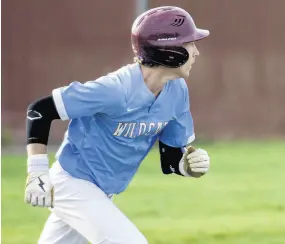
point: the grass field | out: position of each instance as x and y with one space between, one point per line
241 200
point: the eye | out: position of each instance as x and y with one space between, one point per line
187 44
190 44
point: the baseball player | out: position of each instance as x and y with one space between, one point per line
114 122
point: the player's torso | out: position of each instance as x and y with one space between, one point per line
112 147
143 117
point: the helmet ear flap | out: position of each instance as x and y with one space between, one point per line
171 57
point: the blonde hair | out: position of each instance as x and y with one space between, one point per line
137 60
140 60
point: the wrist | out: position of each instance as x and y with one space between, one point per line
36 148
38 163
183 168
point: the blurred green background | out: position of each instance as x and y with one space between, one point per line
237 89
241 201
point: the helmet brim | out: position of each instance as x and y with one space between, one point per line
201 34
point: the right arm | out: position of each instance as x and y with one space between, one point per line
40 115
104 95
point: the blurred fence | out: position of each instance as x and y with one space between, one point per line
237 85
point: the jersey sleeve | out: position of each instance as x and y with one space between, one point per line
104 95
179 132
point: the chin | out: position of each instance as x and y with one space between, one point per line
186 74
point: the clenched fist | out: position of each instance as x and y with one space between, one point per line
196 162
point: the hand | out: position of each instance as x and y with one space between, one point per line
196 162
39 189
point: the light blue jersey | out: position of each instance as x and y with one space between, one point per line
115 121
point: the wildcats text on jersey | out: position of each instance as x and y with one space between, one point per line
134 129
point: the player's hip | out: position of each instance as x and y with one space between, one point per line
65 183
110 178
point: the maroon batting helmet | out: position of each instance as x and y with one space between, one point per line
159 33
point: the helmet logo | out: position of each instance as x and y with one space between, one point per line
179 20
167 39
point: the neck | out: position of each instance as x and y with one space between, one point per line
155 78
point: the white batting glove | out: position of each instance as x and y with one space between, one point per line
39 189
195 162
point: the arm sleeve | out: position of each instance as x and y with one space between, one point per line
170 158
40 115
104 95
180 131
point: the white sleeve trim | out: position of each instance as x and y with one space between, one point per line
191 139
59 104
181 168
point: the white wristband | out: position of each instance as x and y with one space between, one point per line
38 163
181 168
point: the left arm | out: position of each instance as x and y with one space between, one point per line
176 154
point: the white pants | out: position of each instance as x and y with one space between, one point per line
82 212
